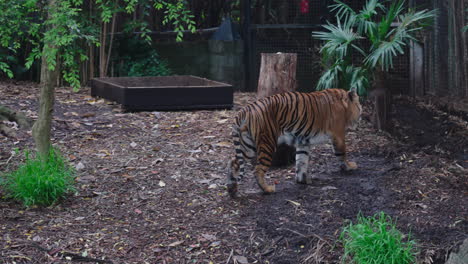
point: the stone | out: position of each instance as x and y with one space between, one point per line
460 254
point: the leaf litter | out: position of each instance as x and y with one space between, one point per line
144 193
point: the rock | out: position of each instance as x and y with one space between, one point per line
79 166
460 254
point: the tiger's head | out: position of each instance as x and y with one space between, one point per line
354 110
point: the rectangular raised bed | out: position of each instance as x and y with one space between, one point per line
164 93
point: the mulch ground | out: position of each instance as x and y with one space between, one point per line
150 188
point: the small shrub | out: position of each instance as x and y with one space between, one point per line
376 240
134 57
39 181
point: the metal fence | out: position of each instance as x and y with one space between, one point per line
272 26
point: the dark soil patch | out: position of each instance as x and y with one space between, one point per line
426 128
152 189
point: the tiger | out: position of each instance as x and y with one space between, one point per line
293 118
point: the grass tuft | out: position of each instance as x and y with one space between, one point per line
40 181
375 240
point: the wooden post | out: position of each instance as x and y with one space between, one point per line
278 75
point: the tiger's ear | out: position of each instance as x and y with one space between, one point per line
353 96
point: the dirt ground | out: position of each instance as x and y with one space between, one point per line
150 188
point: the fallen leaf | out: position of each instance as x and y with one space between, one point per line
223 144
209 237
86 179
240 260
294 203
326 188
215 244
86 115
205 181
175 244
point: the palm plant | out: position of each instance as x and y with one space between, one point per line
386 31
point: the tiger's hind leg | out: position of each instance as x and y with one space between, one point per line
302 163
233 174
264 158
340 151
244 149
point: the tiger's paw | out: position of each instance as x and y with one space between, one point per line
349 166
269 189
232 189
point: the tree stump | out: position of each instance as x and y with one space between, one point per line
278 75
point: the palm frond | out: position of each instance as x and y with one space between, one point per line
421 18
330 78
393 12
357 78
392 43
342 10
338 39
385 53
364 22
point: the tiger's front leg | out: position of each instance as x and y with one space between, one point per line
302 163
340 151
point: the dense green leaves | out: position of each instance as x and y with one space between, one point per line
387 30
70 29
177 14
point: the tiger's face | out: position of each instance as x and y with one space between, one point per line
354 110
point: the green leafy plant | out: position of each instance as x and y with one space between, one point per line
376 240
40 181
177 13
348 59
136 57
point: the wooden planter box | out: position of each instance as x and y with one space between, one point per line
164 93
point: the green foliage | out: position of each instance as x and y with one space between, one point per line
4 67
376 240
177 13
69 29
135 57
40 180
387 30
14 19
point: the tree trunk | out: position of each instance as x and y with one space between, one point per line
106 69
278 75
42 127
102 51
382 102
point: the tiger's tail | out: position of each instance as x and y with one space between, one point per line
236 167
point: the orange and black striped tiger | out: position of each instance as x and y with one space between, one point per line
298 119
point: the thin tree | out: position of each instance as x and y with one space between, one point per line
60 39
